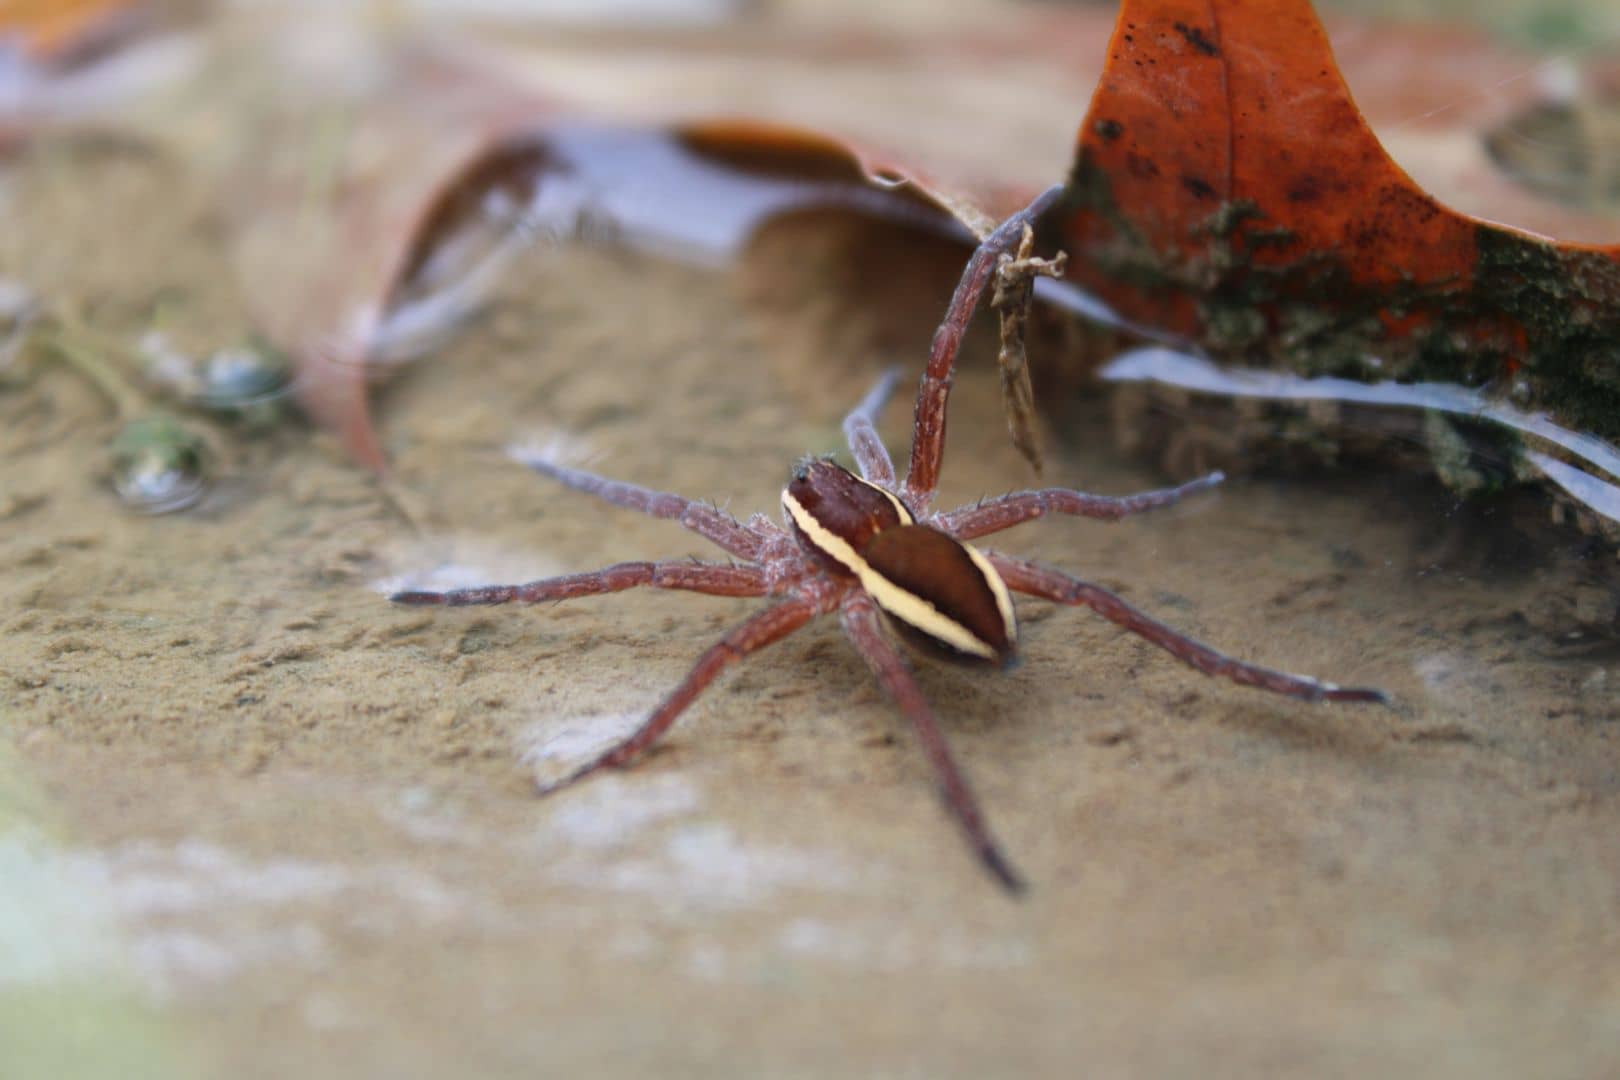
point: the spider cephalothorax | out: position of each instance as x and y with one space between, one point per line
869 548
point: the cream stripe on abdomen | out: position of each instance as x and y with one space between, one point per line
901 603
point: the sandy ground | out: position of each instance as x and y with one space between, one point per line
260 823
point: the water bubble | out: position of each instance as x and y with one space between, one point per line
159 465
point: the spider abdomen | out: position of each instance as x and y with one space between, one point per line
943 591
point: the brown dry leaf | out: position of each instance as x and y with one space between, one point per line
701 190
983 95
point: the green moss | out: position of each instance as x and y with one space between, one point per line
1470 458
1568 302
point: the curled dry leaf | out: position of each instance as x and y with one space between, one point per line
697 191
692 188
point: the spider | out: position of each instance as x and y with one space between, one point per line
872 551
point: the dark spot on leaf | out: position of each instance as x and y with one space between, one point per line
1197 39
1140 166
1109 129
1198 187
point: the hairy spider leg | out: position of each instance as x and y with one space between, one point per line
764 628
1062 588
860 431
707 521
861 623
708 578
994 515
928 425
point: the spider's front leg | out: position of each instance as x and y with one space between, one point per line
1062 588
994 515
933 394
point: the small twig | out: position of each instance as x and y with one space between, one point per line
1015 291
73 344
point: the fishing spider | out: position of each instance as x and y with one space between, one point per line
867 549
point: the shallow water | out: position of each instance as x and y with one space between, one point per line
309 815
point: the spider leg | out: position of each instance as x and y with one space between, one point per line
707 521
764 628
861 624
692 577
1061 588
994 515
860 431
928 426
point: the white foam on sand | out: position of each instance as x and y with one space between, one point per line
185 916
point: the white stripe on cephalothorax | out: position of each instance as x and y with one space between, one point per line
901 603
832 545
824 540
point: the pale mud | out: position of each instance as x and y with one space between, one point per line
307 817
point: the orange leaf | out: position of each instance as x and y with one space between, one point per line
1227 188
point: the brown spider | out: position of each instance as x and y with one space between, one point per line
858 546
